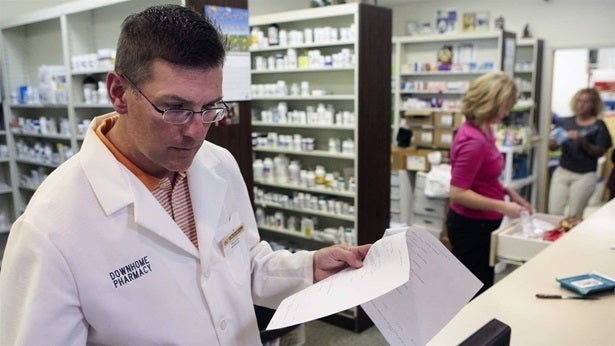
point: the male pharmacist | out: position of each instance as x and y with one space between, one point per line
147 235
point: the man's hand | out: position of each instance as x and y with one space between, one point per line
332 259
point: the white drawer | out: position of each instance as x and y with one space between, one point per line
395 192
426 221
394 179
420 181
429 206
395 217
395 205
508 242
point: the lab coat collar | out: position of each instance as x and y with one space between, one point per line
105 174
116 189
207 192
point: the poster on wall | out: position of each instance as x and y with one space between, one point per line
234 23
605 85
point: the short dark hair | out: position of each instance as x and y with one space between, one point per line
172 33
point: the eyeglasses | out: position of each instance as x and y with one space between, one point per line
180 116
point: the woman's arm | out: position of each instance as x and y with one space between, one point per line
515 197
592 150
473 200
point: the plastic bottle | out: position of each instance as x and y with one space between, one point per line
90 94
307 226
293 172
268 169
319 175
102 93
257 169
273 34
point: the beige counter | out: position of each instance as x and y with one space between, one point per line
552 321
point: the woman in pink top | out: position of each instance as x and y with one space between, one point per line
477 202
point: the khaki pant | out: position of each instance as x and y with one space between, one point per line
570 188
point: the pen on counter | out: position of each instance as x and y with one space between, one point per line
559 296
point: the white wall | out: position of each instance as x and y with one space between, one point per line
12 8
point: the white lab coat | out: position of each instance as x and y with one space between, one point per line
95 259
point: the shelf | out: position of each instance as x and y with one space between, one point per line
305 211
414 53
36 163
520 148
304 70
521 182
359 89
432 92
315 153
294 234
295 187
90 71
305 126
28 188
39 135
305 98
302 46
5 191
91 105
424 111
476 36
40 105
444 73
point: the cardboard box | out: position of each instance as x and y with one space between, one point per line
423 137
417 162
398 157
459 119
444 119
419 120
443 138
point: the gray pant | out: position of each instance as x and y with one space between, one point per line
574 189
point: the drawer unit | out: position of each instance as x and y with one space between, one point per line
433 224
428 212
401 197
435 207
508 244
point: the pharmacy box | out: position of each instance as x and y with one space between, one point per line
509 244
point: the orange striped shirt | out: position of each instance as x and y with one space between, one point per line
174 195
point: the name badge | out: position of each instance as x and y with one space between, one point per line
232 240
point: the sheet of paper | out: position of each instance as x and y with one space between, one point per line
385 267
439 286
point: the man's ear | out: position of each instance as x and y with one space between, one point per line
117 92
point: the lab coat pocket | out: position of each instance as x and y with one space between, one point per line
235 257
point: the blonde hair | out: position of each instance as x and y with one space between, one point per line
597 104
489 96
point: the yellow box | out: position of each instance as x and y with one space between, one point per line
398 157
